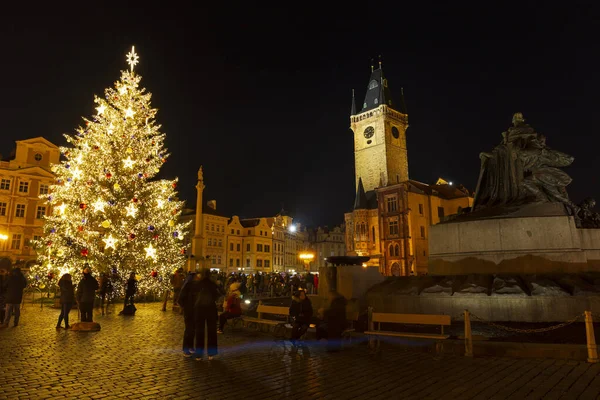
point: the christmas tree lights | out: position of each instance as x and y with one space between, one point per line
108 209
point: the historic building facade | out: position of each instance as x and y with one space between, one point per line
326 242
391 215
24 181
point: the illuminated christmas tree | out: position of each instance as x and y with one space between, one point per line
108 210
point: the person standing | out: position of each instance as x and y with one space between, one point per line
232 307
310 282
316 283
177 282
67 298
187 299
3 279
14 286
205 308
86 294
106 289
130 290
301 311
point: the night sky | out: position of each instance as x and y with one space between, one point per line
261 98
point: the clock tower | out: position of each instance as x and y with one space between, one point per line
379 128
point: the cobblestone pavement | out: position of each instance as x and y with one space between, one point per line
139 358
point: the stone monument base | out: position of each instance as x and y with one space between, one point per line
85 326
515 245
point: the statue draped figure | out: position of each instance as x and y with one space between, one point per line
523 170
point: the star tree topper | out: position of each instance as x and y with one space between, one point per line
132 58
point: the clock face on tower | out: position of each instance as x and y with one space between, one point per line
369 132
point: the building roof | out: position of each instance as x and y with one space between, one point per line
250 223
378 92
444 191
365 200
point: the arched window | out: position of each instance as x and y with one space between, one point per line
397 247
391 250
373 234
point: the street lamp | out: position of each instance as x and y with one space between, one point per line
3 238
307 258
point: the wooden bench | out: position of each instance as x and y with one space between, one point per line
279 326
417 319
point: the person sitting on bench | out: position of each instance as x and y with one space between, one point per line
232 309
301 312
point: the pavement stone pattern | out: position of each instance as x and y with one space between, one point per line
140 357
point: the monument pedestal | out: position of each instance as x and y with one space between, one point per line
515 245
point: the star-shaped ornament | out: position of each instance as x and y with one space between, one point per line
128 163
76 173
101 109
61 208
109 242
132 58
98 205
129 113
110 129
123 89
150 251
131 210
160 203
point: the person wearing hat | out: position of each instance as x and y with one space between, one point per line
67 298
233 307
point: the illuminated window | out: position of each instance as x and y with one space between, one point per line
20 212
43 189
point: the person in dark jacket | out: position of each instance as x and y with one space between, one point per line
14 286
186 300
130 290
301 311
3 279
67 298
106 289
86 294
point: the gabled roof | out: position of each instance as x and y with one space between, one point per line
38 140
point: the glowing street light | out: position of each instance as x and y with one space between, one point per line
292 228
307 257
3 236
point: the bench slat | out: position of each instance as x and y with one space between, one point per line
273 310
423 319
403 334
262 321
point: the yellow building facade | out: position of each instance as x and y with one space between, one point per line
24 182
392 214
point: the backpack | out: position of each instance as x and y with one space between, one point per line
204 297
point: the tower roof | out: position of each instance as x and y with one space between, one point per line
378 93
360 203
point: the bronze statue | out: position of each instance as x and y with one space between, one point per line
523 170
589 218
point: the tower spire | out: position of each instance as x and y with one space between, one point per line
371 65
353 108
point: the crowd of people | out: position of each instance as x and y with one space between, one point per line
199 296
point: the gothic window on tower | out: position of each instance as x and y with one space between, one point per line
394 229
373 84
397 250
376 101
392 204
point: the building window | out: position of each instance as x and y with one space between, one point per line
207 226
397 248
440 212
210 241
220 242
424 253
20 213
267 248
238 232
237 247
249 232
373 234
41 211
23 187
247 246
392 204
394 227
259 263
259 247
2 209
37 238
5 184
212 227
421 209
43 189
237 262
422 231
248 263
267 264
37 157
230 246
219 260
231 262
16 241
